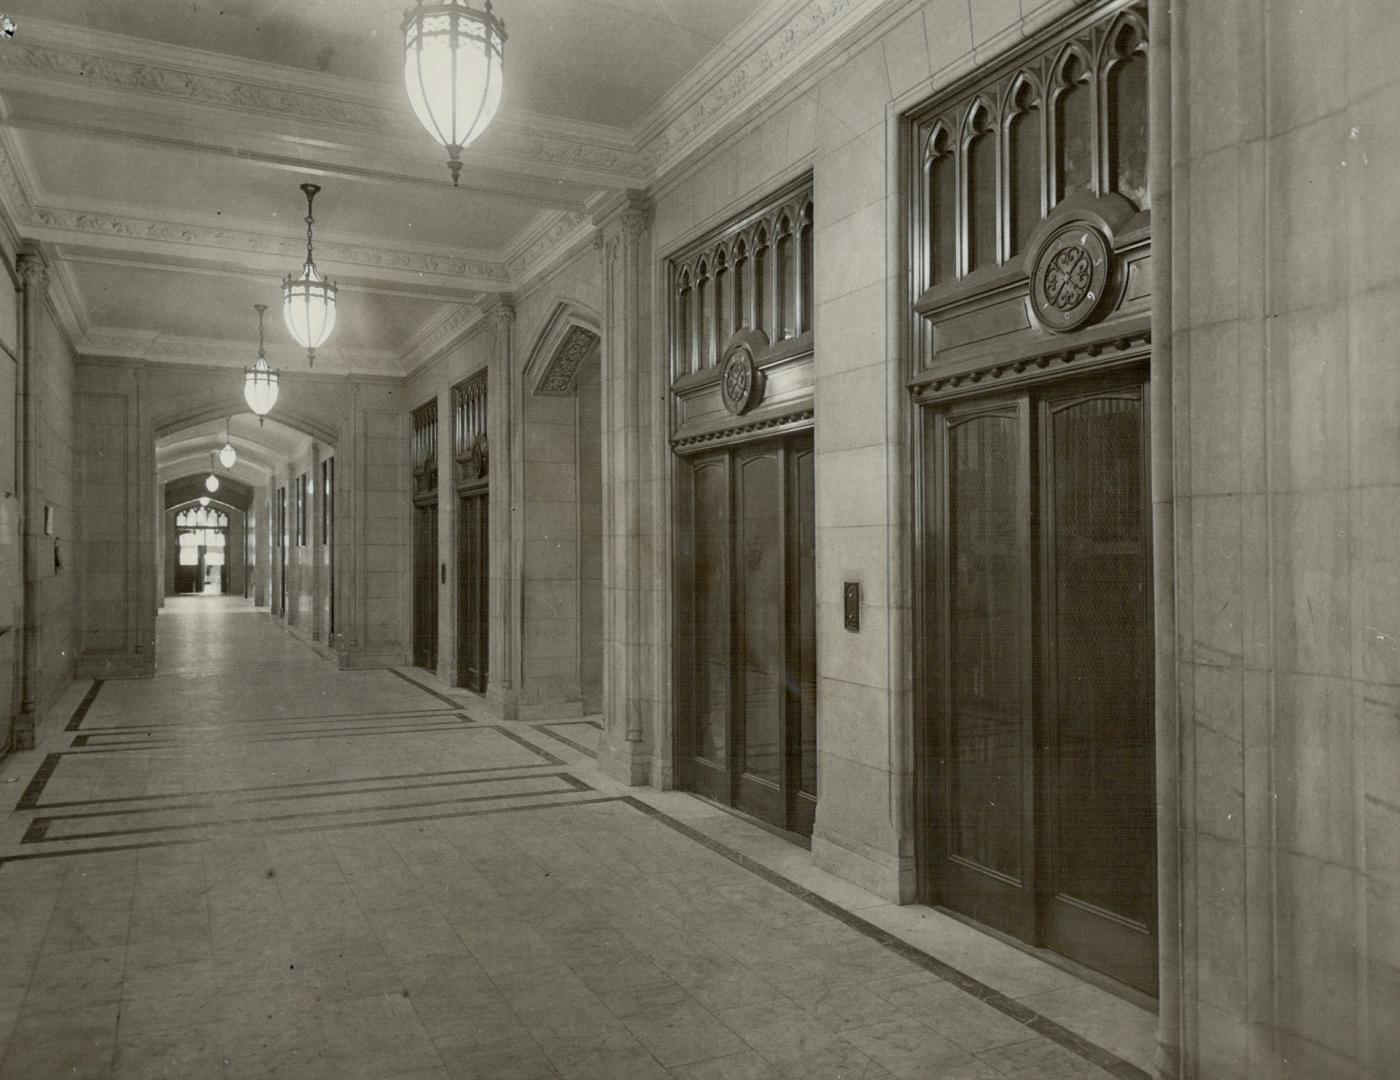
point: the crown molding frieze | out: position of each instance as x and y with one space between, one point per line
546 243
65 226
439 335
113 342
744 77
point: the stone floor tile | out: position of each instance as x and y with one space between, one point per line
961 1018
194 1053
779 1030
745 1066
678 1032
1040 1059
908 1049
76 1044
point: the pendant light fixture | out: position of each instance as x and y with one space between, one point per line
211 482
203 501
228 455
454 60
308 301
260 381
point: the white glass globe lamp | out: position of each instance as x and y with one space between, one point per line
454 65
260 381
308 300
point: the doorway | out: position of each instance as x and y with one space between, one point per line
1038 669
747 670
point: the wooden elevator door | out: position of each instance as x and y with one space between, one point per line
749 674
473 591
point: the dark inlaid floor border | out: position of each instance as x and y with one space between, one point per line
1008 1006
293 786
76 720
38 828
227 722
425 688
35 789
112 849
133 739
543 729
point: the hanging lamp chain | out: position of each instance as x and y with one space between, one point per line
311 190
262 355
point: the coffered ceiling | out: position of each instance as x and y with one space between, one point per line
155 148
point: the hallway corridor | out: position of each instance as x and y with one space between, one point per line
258 865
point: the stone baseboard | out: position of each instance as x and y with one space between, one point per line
625 761
892 879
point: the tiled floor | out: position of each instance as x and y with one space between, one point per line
257 865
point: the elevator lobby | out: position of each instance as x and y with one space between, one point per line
722 539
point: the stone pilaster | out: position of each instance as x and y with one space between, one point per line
631 647
506 531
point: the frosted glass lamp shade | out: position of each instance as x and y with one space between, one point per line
204 500
228 455
454 60
260 388
308 305
211 483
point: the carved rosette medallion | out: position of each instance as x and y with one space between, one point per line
740 380
1069 278
477 457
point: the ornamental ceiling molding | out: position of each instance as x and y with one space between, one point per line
438 335
210 352
544 243
95 223
84 62
742 77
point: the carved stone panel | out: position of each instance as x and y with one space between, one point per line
576 346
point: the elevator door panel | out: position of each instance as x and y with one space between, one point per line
473 591
760 614
707 566
982 664
425 585
1099 822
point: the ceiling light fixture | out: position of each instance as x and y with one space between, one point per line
211 482
260 381
228 455
454 59
308 301
204 500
